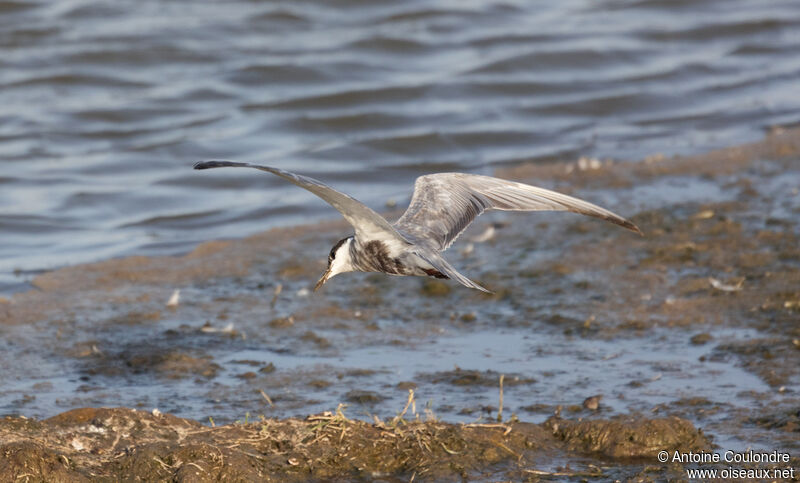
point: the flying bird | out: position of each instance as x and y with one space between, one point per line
441 208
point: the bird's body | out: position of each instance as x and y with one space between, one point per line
441 208
386 257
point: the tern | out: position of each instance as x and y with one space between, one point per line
442 207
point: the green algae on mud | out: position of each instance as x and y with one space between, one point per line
124 444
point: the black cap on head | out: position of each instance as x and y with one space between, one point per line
332 255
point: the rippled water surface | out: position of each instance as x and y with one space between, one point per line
104 105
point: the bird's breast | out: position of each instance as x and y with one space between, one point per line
378 256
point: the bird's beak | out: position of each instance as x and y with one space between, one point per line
323 279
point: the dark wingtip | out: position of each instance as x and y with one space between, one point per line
202 165
217 163
625 224
632 227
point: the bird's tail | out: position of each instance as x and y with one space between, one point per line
441 264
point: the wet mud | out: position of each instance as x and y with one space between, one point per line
117 444
610 346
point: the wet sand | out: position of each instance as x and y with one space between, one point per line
690 334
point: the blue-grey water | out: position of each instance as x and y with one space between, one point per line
104 105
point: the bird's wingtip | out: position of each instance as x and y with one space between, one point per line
203 165
627 224
632 227
219 163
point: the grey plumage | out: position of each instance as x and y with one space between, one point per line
363 219
442 207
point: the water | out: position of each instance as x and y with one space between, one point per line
104 105
561 371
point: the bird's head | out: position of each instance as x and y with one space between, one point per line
339 261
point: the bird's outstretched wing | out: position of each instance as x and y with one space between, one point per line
444 204
366 223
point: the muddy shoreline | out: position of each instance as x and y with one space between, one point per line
715 281
114 444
